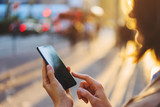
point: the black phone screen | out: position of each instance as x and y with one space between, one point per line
62 74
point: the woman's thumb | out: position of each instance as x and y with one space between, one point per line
86 94
50 74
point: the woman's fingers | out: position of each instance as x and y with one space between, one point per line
48 76
51 76
68 92
85 95
44 74
69 69
84 84
85 99
85 77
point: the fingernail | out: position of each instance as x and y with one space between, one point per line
74 73
80 90
48 68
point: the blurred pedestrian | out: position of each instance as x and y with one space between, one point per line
147 15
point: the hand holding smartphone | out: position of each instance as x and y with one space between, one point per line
62 74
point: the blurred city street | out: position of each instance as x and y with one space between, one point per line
21 81
94 37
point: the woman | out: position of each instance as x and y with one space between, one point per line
147 15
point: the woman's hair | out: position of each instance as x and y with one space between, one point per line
147 15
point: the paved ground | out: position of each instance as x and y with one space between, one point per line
20 82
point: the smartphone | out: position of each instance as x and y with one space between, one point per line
62 74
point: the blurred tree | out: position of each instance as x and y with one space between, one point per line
31 2
8 9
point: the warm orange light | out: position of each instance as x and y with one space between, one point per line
45 27
22 27
47 12
15 6
127 6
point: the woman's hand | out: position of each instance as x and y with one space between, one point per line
92 91
59 96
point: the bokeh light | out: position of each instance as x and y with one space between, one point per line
47 12
22 27
15 6
45 27
97 10
127 6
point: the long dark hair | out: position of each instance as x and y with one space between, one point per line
147 14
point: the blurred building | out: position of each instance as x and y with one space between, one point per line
35 1
52 1
75 3
87 4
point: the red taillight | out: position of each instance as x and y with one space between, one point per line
45 27
22 27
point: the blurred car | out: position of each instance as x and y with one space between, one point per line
30 26
70 24
37 24
45 25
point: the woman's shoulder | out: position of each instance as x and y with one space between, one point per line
149 97
149 101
